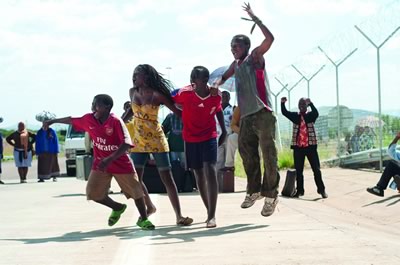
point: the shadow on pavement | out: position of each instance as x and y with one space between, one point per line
385 200
70 195
190 233
182 234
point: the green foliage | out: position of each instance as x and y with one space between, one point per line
285 159
6 133
61 137
239 169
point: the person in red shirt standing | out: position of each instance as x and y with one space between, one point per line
200 135
304 143
111 142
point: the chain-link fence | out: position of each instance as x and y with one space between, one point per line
353 80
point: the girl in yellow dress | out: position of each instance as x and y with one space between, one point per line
150 90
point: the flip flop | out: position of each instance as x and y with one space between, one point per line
185 221
115 215
211 223
145 224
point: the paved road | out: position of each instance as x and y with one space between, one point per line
52 223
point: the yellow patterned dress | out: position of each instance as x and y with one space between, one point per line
148 136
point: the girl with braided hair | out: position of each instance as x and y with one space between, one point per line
150 90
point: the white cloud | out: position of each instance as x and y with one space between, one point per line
328 7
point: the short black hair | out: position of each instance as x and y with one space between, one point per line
104 99
243 39
200 72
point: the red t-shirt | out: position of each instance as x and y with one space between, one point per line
106 139
198 115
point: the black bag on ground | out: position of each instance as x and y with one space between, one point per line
184 179
289 189
189 182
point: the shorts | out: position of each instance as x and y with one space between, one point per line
162 160
198 153
99 183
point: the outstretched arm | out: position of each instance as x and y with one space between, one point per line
259 51
228 73
169 103
65 120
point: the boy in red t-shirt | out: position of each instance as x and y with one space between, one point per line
200 135
111 142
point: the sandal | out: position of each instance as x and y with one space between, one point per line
211 223
184 221
145 224
115 215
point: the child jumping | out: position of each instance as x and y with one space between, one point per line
111 141
200 133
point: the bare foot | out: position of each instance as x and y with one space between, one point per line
211 223
151 210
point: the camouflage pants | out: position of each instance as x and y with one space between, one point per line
258 131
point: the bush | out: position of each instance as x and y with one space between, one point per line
285 160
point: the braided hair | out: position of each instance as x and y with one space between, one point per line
155 80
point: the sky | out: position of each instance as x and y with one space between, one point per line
57 55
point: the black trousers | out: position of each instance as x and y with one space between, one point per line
390 170
299 155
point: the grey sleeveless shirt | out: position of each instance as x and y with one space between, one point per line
247 93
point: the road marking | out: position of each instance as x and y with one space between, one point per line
138 249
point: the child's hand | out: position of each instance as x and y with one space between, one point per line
214 91
222 138
247 8
104 163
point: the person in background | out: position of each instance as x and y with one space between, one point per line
227 110
47 150
22 140
172 127
257 121
391 170
111 143
354 140
128 114
304 143
1 153
232 142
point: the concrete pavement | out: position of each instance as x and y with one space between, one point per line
52 223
